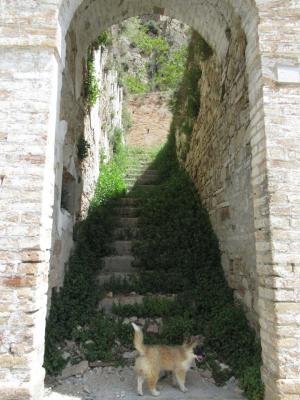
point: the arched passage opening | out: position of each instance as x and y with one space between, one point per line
214 23
224 180
278 372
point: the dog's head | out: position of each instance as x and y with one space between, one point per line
196 344
199 353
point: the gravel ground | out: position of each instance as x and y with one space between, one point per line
120 383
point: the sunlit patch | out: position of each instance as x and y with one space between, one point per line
51 395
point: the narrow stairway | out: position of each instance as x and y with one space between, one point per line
111 381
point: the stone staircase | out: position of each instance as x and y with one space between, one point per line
120 263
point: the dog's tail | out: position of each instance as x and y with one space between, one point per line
138 339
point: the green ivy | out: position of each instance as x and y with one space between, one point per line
181 250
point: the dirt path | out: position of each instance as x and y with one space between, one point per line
120 383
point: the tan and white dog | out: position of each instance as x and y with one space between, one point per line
154 359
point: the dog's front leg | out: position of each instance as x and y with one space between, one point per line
152 381
140 381
180 376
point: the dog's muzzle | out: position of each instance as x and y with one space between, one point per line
199 353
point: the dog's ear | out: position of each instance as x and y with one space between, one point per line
193 341
187 341
200 340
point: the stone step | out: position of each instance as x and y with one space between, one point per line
126 233
143 180
127 201
147 172
126 211
143 156
122 247
118 264
145 187
126 222
141 163
138 170
107 303
109 276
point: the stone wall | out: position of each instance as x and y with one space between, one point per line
219 162
149 114
75 177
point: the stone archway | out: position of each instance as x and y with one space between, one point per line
33 58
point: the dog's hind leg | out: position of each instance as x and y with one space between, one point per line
140 381
152 381
174 380
180 376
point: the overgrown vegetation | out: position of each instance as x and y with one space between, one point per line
163 64
104 39
181 250
179 254
91 84
73 308
135 85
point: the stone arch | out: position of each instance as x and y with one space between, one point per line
211 19
273 82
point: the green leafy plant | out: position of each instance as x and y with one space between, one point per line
91 85
82 148
152 27
170 72
104 39
117 140
135 85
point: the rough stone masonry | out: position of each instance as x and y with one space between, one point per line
32 60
